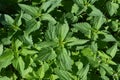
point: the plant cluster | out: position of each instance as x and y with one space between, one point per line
59 40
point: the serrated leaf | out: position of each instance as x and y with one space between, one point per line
46 5
103 55
49 18
64 61
16 44
47 54
30 10
6 40
41 72
26 52
95 11
80 3
112 7
83 72
63 75
27 71
107 68
19 65
112 51
18 21
75 8
6 58
91 57
108 38
31 26
51 33
27 17
98 22
50 5
62 30
102 71
94 46
8 20
111 62
74 41
114 25
105 78
46 44
84 28
56 3
26 39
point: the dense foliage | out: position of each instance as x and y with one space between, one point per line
59 40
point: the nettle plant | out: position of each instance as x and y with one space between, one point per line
60 40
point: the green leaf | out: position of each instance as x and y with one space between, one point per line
93 1
31 26
87 52
107 68
6 58
16 44
84 28
50 5
103 55
27 71
63 75
1 49
51 33
63 60
95 11
53 77
112 51
79 65
80 3
46 5
94 46
8 20
114 25
91 57
105 78
48 17
6 40
26 52
111 62
74 41
83 72
75 8
27 17
19 65
98 21
108 37
102 71
55 3
46 54
41 72
18 20
62 30
59 39
30 10
26 39
45 44
112 7
4 78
